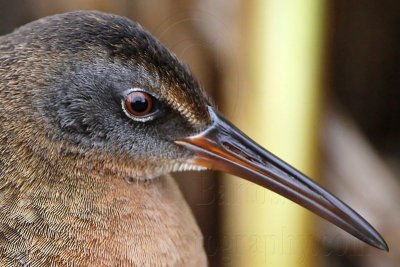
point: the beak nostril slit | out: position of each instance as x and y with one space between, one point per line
238 152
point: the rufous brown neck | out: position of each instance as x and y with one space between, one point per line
90 218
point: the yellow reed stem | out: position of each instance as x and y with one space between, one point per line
281 112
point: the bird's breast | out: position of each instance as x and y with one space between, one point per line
120 224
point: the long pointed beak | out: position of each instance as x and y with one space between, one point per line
224 147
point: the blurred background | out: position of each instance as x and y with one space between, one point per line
317 82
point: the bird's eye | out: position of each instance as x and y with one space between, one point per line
139 105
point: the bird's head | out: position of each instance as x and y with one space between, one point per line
109 91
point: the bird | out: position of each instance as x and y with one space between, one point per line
95 113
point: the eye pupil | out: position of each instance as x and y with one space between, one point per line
139 104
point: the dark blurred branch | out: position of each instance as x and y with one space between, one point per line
359 175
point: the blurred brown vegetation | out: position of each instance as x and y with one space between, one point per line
362 99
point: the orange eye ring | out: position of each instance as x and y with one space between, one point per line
139 104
